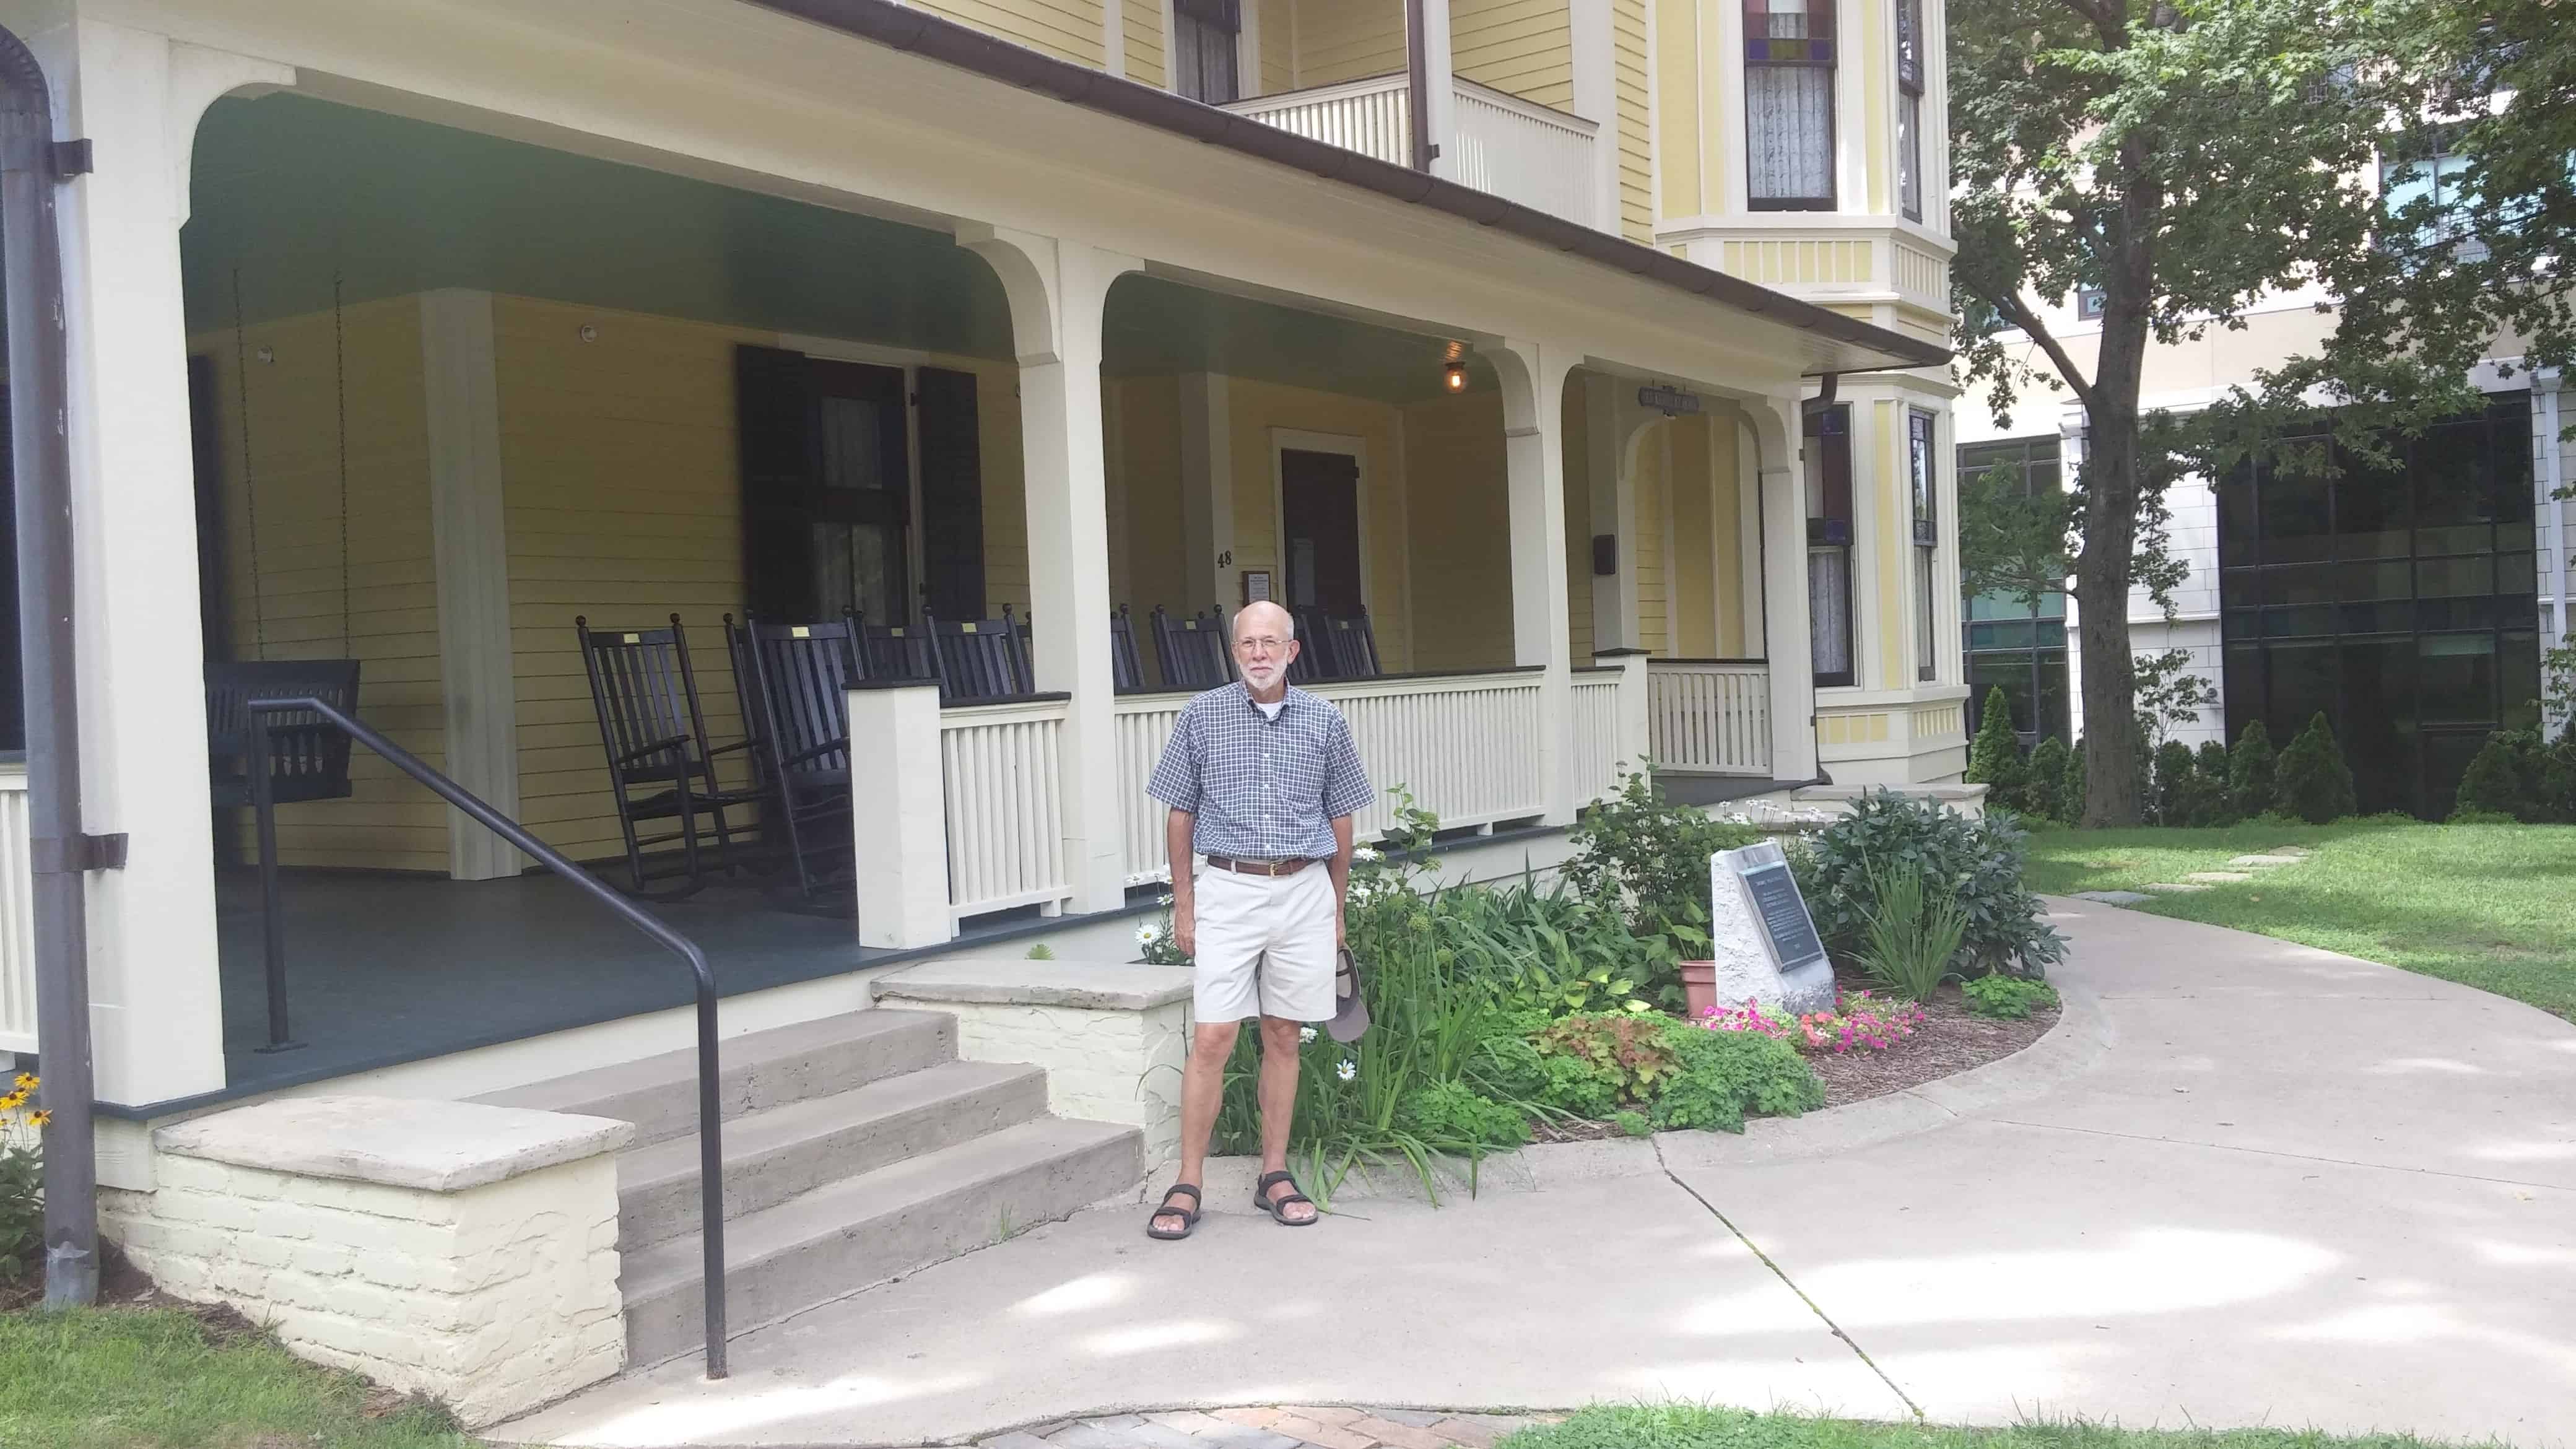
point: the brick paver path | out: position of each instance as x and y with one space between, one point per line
1294 1427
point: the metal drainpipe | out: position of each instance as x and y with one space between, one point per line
1418 84
32 164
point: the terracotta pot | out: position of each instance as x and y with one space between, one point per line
1699 987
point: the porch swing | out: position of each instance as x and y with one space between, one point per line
307 758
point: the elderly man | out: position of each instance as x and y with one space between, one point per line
1262 780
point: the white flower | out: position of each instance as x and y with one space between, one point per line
1363 853
1347 1071
1147 933
1305 1034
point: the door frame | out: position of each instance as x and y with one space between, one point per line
1297 440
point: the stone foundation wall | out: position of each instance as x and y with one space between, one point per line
1101 1065
492 1297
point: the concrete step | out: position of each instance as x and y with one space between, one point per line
760 1069
860 1230
771 1156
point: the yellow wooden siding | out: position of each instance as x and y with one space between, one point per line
1694 586
1636 123
1144 38
1646 486
1677 95
1278 46
293 598
1461 529
1149 445
1892 528
1578 529
1257 407
1522 47
622 499
1726 519
1066 29
1343 40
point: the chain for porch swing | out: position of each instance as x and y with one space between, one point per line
250 481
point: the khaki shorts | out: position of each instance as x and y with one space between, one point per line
1265 945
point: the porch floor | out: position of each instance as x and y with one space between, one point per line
382 969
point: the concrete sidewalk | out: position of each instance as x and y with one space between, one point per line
2278 1187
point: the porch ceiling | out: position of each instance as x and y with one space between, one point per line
295 191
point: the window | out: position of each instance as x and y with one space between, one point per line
1909 108
1827 456
2015 644
2089 302
2429 170
1927 535
1205 36
1789 104
2398 597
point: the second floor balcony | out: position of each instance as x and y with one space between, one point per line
1517 149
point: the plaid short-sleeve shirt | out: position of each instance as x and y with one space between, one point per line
1261 789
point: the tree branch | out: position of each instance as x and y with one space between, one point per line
2020 315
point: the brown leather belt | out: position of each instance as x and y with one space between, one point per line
1258 867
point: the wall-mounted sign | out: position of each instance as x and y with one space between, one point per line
1672 402
1256 585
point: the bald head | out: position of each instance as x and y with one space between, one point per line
1265 617
1265 641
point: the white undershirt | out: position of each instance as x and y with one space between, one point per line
1270 711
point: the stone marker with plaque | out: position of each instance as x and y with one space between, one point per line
1761 936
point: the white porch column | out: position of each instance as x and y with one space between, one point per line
1612 491
156 999
1786 641
1057 291
1439 69
899 817
1534 462
1207 489
476 682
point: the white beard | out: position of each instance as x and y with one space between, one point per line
1263 676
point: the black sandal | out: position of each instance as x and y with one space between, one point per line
1261 1199
1189 1216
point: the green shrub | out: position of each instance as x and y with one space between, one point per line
2481 817
1995 758
1724 1076
2554 791
2073 793
1629 1055
1911 934
2250 769
1453 1112
2171 797
2208 799
2312 782
2011 998
1561 953
2044 792
2494 784
22 1179
1507 1068
1633 1124
1648 855
1976 863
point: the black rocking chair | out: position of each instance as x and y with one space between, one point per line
1192 651
1314 659
1349 646
897 652
979 658
660 766
795 681
1126 671
308 759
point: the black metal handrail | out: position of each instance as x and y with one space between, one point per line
710 1113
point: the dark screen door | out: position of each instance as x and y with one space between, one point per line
1319 506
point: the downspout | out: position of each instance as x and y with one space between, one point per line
32 164
1417 81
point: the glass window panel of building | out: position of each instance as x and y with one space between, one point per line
2015 644
2396 595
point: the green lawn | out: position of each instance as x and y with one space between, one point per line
125 1378
1689 1427
2490 906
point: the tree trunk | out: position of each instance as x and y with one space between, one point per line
2111 739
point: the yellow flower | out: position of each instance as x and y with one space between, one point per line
39 1118
25 1082
13 1101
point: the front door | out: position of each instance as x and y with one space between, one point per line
1319 508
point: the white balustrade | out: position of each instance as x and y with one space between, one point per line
1465 745
1144 724
999 765
17 917
1597 736
1710 717
1515 149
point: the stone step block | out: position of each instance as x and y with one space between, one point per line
659 1094
849 1234
773 1155
2218 877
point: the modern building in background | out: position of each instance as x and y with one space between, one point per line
2410 604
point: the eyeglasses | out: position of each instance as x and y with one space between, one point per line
1264 643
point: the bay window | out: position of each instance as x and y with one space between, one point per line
1827 458
1789 104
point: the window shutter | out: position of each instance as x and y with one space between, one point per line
952 494
774 426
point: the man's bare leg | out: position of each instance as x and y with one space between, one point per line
1279 1106
1202 1090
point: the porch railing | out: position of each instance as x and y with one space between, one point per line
1710 716
1005 813
1515 149
1597 733
1465 745
17 917
710 1107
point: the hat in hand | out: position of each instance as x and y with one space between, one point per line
1350 1005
